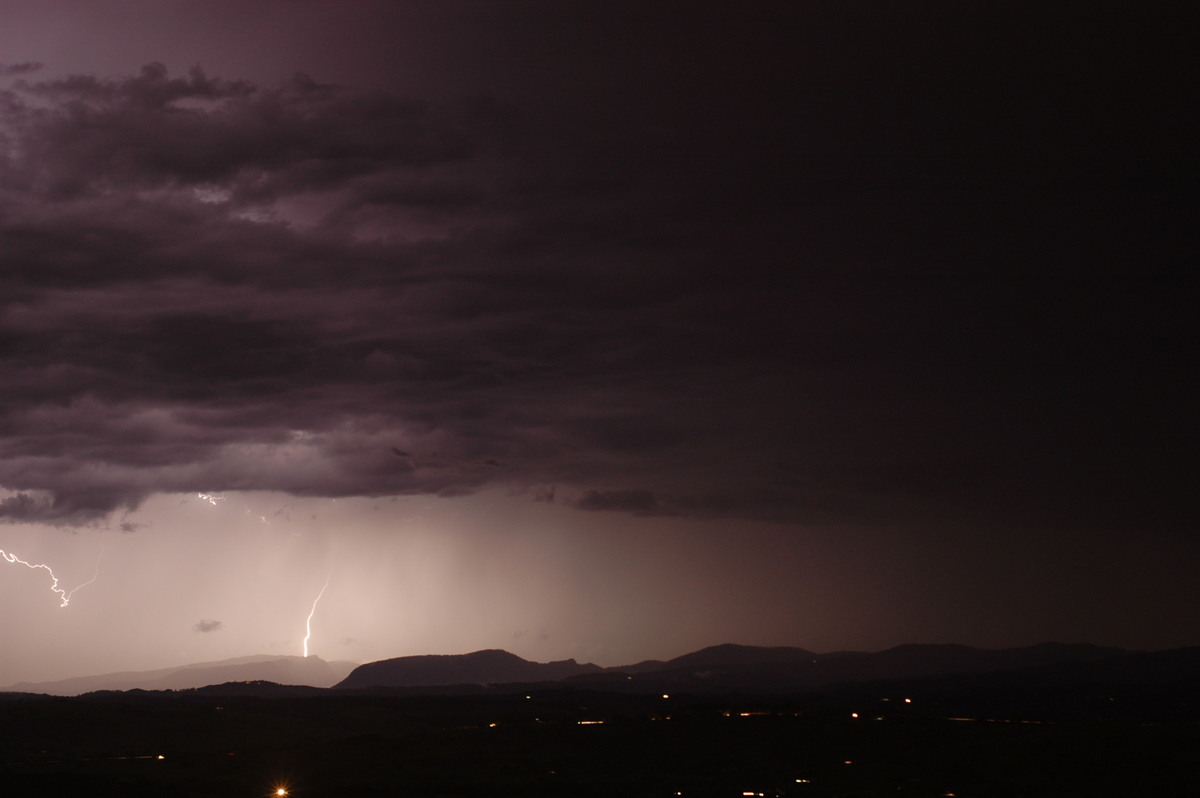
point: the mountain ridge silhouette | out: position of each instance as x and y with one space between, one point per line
725 667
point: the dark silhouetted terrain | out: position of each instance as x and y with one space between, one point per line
312 671
718 668
481 667
1039 725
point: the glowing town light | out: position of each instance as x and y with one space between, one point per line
65 595
308 622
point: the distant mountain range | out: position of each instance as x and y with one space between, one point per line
717 669
720 668
280 669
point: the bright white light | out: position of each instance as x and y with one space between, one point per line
65 595
308 622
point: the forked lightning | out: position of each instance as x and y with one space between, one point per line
65 595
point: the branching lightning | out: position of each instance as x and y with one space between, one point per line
308 622
95 576
63 594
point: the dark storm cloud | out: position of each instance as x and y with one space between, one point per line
210 286
638 502
205 626
751 268
20 69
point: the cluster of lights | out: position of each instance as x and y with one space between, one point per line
855 715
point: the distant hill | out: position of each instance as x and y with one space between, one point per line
721 668
758 669
724 668
288 670
491 666
725 655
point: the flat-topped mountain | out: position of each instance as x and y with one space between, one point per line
490 666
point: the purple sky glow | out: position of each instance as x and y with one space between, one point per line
594 330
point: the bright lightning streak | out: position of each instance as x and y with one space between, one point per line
65 595
308 623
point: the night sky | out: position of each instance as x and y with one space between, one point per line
606 330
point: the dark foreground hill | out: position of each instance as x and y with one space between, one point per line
1123 726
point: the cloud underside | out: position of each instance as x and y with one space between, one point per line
209 285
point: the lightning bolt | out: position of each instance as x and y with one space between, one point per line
308 623
65 595
95 576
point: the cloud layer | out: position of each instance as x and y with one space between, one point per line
782 282
211 286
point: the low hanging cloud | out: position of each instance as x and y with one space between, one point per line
638 502
205 626
24 68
